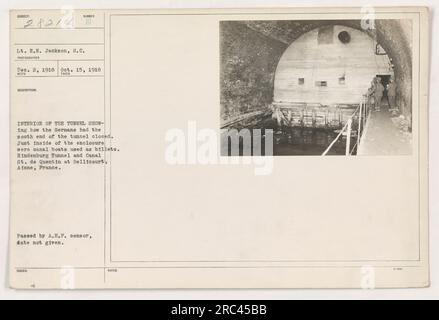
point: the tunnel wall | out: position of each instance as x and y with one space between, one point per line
248 64
396 38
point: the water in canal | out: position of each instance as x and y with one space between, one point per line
295 141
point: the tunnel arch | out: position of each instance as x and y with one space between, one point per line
331 64
251 50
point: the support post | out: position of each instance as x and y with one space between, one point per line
348 136
365 111
278 117
360 119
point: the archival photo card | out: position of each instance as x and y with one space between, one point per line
226 148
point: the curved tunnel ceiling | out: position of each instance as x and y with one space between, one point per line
388 33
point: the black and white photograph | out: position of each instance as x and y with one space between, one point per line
325 87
